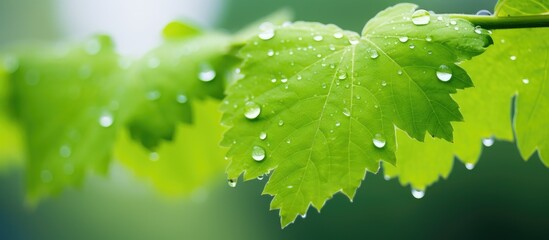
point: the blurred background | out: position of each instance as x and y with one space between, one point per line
502 197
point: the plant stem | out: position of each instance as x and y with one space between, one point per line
493 22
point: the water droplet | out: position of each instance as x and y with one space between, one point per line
46 176
207 73
383 83
153 95
338 35
337 124
342 76
399 72
153 62
288 141
299 77
181 98
379 141
304 215
267 31
412 46
263 135
284 80
231 182
488 142
260 177
290 186
273 80
428 39
484 13
281 123
252 110
318 38
258 153
373 53
386 177
354 40
403 39
65 151
525 81
421 17
453 22
513 58
418 194
106 120
153 156
444 73
439 18
469 166
324 85
346 112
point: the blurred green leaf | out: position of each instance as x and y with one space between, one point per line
187 163
68 102
521 7
320 104
170 77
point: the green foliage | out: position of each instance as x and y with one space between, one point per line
328 100
515 66
312 107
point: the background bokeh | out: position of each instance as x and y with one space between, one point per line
503 197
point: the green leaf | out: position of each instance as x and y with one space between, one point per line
67 103
170 77
516 63
188 163
11 146
521 7
325 98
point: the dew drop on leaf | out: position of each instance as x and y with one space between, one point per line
379 141
338 35
260 177
403 39
284 80
346 112
342 76
354 40
270 53
281 123
106 120
263 135
337 124
207 73
383 83
318 38
231 182
488 142
453 22
251 110
525 81
258 153
267 31
421 17
444 73
428 39
469 166
513 58
386 177
418 194
484 12
373 53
